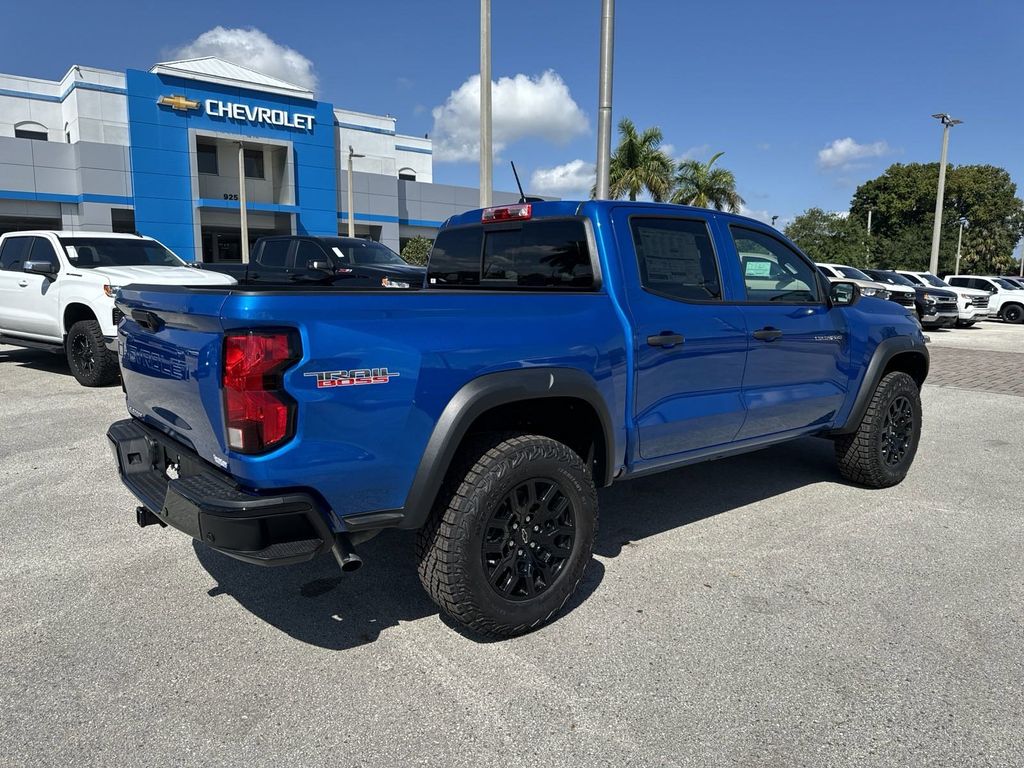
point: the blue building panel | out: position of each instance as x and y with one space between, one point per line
165 206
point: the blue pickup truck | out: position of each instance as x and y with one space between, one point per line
555 348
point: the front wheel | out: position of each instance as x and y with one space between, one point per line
91 363
510 535
880 452
1013 313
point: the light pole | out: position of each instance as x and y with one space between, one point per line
959 241
774 219
351 213
604 106
243 214
486 156
947 123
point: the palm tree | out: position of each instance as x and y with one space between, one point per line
638 164
701 185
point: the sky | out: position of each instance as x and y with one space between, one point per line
807 99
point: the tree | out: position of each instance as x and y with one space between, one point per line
417 250
902 201
639 165
830 238
699 184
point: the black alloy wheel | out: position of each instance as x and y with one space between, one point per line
897 431
528 538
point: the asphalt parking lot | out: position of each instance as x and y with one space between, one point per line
752 612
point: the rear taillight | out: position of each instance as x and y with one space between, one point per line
258 413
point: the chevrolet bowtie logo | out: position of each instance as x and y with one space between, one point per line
177 102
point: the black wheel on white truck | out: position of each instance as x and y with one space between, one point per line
91 363
1013 313
510 535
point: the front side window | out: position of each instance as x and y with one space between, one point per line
676 258
92 252
772 271
15 253
253 161
274 254
308 252
42 250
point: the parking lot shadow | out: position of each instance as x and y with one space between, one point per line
35 359
636 509
313 602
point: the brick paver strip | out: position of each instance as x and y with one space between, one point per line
1001 372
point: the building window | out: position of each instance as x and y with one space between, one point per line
407 174
33 131
253 159
122 220
206 158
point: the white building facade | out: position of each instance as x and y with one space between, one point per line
161 153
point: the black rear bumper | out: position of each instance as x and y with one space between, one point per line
206 504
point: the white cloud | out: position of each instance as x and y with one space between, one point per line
842 153
251 48
693 153
521 106
571 180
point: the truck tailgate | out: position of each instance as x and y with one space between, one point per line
169 346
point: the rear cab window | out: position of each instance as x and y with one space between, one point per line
543 254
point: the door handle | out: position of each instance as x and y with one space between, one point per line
23 283
768 334
665 339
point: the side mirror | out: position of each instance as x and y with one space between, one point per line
47 268
319 266
844 294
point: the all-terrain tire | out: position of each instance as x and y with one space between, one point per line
1013 313
91 363
880 452
469 520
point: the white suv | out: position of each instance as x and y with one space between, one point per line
972 305
57 292
1006 298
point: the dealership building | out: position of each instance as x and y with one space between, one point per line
162 152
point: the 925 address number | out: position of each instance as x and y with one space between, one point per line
229 196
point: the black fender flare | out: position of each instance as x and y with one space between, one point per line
886 350
469 403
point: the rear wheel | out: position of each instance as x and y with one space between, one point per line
880 452
511 534
1013 313
91 363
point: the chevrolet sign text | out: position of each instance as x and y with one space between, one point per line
278 117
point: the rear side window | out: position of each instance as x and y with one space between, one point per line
676 258
534 255
960 282
275 254
15 253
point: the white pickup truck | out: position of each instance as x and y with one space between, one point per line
57 292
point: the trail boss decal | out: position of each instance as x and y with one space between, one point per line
353 378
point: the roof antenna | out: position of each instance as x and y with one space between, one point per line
522 195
